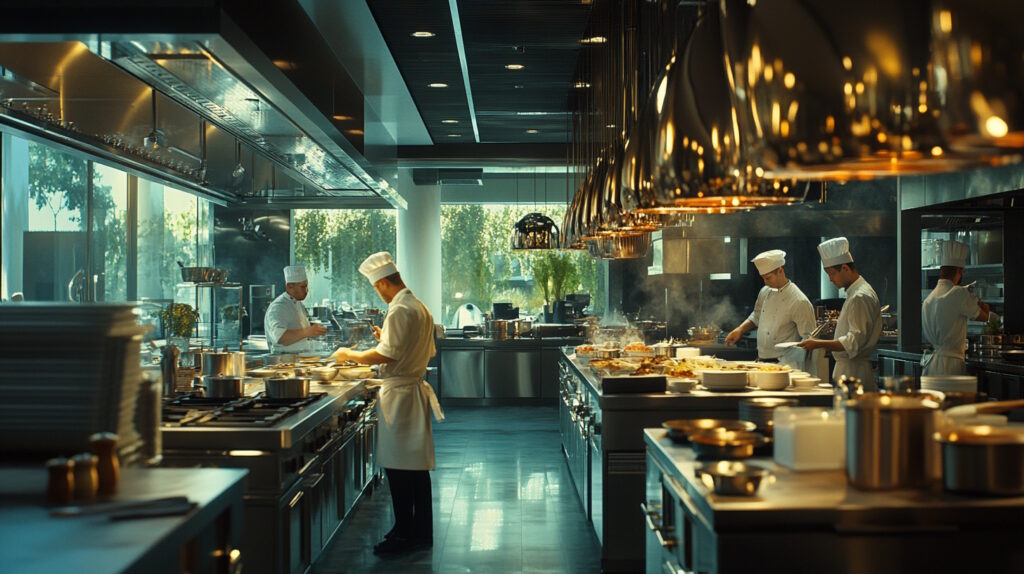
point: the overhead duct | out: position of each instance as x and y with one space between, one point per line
468 176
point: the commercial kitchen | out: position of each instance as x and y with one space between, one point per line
567 286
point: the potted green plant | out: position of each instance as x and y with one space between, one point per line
179 321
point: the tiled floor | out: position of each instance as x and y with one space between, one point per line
503 502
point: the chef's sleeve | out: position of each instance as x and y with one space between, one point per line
803 316
860 314
274 325
755 315
969 305
396 328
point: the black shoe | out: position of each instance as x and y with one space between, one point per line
393 545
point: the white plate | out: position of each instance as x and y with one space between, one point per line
787 344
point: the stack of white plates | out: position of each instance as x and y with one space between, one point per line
950 383
68 371
723 380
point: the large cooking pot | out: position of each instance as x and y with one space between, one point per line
222 387
887 440
202 274
222 363
983 460
500 329
287 388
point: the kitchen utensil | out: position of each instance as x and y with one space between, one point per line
805 383
679 430
108 468
984 408
60 487
201 274
887 440
723 380
809 438
324 373
953 383
223 387
86 478
983 460
117 506
760 411
720 443
787 344
261 373
216 363
606 353
287 388
731 478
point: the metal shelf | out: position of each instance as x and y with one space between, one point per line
989 267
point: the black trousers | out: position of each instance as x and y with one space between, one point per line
413 504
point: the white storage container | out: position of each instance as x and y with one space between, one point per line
810 438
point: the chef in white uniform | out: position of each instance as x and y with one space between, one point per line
945 312
860 320
286 321
405 442
782 313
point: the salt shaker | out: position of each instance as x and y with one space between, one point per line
60 488
108 468
86 477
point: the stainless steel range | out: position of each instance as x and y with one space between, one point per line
308 460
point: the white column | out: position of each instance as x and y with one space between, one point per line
419 241
15 194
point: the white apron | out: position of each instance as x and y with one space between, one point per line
943 362
860 368
405 440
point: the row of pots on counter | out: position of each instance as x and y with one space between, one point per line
885 441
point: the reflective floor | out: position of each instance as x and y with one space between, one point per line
503 502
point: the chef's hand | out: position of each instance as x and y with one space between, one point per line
376 332
315 330
733 336
810 344
341 355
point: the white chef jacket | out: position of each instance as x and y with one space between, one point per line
782 315
858 328
944 316
284 313
406 440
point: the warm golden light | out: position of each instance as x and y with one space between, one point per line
936 151
449 121
437 85
341 118
996 126
422 34
514 66
789 80
945 21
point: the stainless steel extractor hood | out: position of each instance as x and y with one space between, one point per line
197 96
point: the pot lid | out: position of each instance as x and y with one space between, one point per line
893 402
982 434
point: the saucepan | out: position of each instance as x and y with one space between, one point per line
223 387
726 444
679 430
732 478
287 387
983 460
202 274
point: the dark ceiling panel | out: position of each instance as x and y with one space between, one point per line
512 106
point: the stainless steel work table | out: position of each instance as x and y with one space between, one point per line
33 541
830 526
603 439
482 371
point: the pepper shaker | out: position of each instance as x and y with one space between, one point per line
60 488
108 468
86 478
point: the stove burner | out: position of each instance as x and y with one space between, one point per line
258 411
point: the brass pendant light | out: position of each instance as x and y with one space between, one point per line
848 97
691 158
977 62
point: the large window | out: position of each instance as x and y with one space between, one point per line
173 226
109 237
480 267
332 244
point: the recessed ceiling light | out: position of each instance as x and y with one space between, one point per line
285 64
581 85
594 40
354 132
341 118
610 126
514 66
519 86
532 131
455 135
437 85
422 34
449 121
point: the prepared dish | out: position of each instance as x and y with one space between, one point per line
584 350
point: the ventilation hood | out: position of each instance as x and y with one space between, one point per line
202 97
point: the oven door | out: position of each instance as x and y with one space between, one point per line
295 513
370 449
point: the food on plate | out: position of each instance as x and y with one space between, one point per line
637 346
617 366
648 368
584 349
684 370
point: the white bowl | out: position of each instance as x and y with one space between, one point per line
798 374
950 383
680 385
769 380
805 382
723 380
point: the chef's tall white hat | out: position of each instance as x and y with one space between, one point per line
295 274
378 266
834 252
954 254
769 260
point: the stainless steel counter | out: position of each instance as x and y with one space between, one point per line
33 541
485 371
828 524
279 436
